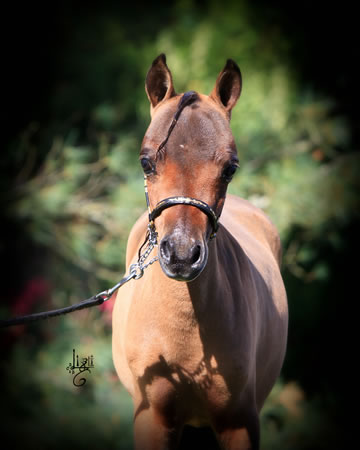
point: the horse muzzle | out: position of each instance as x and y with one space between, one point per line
182 258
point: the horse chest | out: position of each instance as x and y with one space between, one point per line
187 390
173 366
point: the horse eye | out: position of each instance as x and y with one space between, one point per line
229 172
146 165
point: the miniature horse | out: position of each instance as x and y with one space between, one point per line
200 339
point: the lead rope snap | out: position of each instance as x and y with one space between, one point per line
136 271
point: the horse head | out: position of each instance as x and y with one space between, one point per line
189 156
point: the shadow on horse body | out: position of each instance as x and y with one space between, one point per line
200 339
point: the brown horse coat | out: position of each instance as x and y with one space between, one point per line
206 351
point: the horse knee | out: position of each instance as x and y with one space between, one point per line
161 396
150 432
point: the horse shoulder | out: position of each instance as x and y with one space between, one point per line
122 307
136 238
260 241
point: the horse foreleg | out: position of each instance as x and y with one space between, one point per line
152 433
243 436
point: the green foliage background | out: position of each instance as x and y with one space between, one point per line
73 186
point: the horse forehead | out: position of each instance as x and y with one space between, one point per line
200 124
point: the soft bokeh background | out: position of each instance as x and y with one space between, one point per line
71 188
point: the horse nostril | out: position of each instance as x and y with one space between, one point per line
165 250
195 254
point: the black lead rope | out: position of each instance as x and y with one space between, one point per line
92 301
137 269
97 299
136 272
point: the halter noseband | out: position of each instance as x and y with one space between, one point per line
180 200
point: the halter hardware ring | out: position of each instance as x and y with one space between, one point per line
136 271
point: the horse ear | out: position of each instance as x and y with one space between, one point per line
159 85
228 86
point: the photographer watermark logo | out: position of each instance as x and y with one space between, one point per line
79 366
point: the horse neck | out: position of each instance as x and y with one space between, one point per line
210 291
206 295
